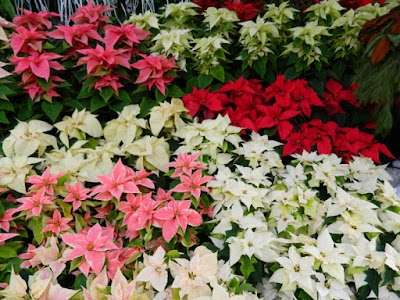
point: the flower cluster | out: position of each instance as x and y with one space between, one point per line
317 226
286 106
222 182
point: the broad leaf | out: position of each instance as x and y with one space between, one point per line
260 66
96 103
3 117
218 72
7 252
52 110
175 92
106 93
246 266
204 81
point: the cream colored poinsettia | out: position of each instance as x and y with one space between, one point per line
167 115
14 171
155 270
193 277
100 160
72 162
181 12
280 14
153 153
127 127
16 289
205 49
217 16
27 137
323 9
43 285
76 126
173 42
257 37
144 21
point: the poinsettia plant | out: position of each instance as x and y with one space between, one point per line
138 161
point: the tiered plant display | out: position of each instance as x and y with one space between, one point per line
140 162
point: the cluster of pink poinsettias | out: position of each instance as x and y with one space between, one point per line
155 217
104 55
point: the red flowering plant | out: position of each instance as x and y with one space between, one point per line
287 109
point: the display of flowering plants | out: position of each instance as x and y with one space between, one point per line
214 150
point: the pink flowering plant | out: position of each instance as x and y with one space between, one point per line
139 214
90 63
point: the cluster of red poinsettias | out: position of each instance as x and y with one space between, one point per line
287 105
37 65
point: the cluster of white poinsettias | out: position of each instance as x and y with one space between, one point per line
279 32
318 228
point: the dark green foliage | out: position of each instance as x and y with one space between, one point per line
379 85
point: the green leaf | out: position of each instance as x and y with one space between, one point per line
233 285
6 105
145 106
246 266
247 287
140 89
297 42
304 296
173 254
218 72
63 179
220 54
85 92
293 58
191 83
7 252
2 210
8 7
395 39
112 215
306 47
37 229
124 96
44 84
186 240
96 103
373 280
5 90
175 91
52 110
175 294
260 66
317 85
78 295
233 231
204 81
291 73
160 97
106 93
80 281
3 117
388 276
75 263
